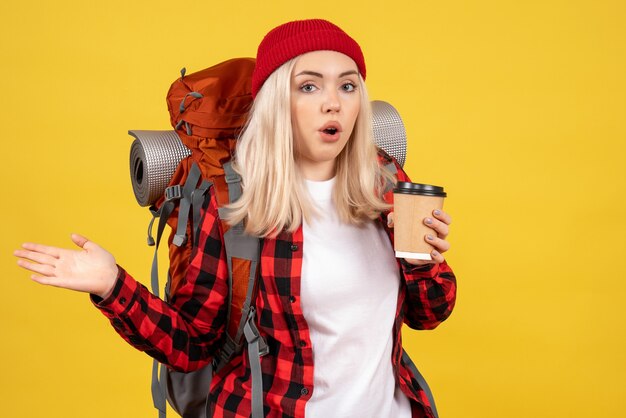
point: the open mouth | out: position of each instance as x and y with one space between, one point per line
331 131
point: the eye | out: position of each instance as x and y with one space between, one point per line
348 87
308 88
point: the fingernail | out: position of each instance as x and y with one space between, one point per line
430 237
437 212
434 253
429 221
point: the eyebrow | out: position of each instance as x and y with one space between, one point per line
314 74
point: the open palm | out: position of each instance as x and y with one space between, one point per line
91 269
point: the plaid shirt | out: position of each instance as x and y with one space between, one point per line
185 333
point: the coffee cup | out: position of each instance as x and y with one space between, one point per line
412 203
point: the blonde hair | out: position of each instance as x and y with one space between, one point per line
274 196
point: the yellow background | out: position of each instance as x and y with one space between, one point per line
516 107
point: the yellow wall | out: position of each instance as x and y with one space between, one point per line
516 107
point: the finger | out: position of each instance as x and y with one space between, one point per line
416 262
48 281
440 244
42 269
390 220
442 216
44 249
80 240
40 279
439 227
34 256
437 257
64 283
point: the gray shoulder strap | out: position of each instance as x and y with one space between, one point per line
420 380
158 397
198 197
240 245
254 356
391 167
185 205
163 214
185 196
243 246
234 179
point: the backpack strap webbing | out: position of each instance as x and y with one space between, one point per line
198 197
189 196
242 246
185 204
420 380
158 397
164 212
254 356
391 167
233 180
239 247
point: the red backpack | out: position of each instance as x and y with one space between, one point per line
207 110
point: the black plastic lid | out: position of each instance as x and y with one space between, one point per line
420 189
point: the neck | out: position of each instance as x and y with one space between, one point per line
317 171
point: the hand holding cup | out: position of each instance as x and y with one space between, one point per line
421 225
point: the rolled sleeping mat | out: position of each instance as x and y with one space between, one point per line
389 132
154 155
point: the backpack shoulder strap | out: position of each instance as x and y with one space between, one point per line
185 204
163 213
420 380
243 259
240 245
189 197
386 161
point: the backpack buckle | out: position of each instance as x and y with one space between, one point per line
230 175
225 353
179 240
231 178
173 192
227 350
252 334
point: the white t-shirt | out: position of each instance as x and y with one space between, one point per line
350 285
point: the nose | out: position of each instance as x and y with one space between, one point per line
331 102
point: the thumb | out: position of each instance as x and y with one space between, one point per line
390 220
80 241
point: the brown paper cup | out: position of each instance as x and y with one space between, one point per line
412 203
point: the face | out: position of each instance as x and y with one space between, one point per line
325 102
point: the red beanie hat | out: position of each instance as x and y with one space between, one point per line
295 38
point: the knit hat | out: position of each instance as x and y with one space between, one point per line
295 38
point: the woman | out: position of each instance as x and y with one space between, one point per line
332 298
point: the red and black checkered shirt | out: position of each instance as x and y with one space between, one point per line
185 333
